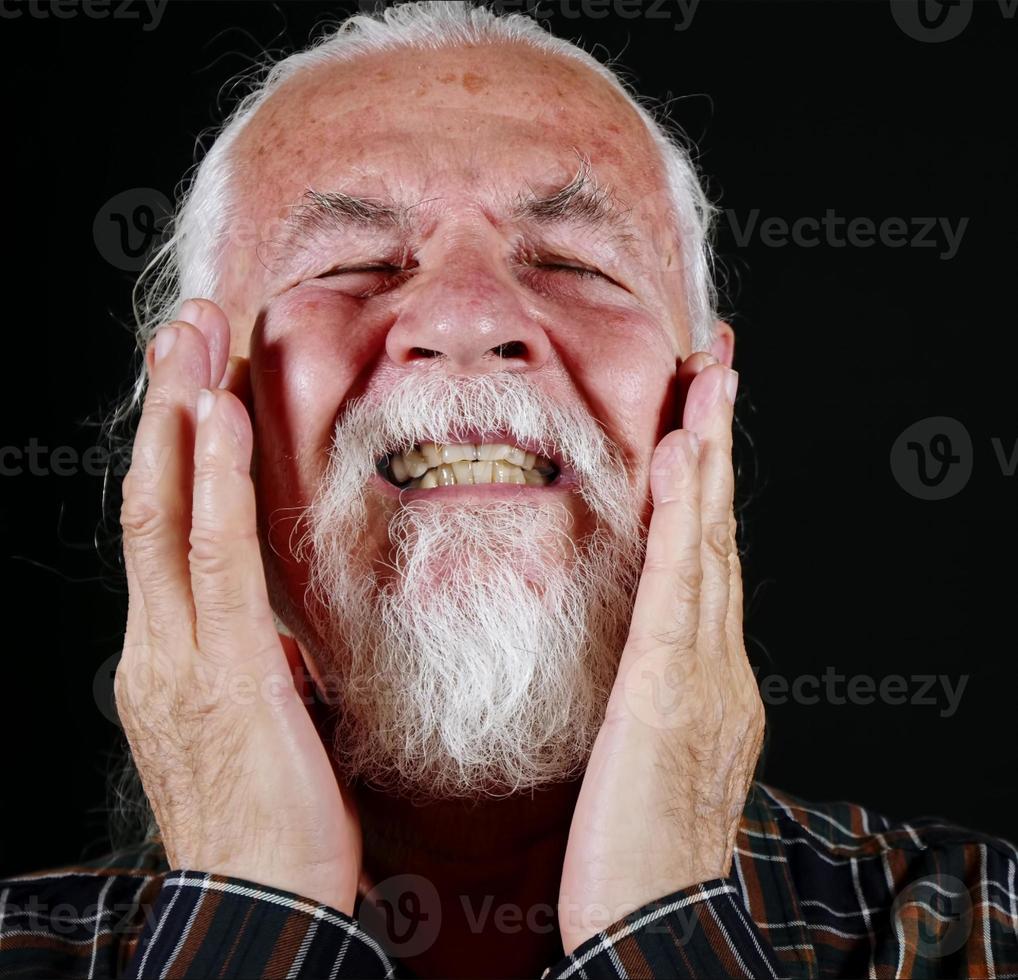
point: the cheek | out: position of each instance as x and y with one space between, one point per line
624 364
309 354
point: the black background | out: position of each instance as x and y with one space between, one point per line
797 108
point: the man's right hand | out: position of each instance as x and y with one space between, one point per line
239 780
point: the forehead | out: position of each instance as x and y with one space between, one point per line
477 121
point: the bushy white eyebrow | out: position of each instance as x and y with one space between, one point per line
582 202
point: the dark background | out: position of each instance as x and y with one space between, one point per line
797 108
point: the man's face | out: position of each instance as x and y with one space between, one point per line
465 271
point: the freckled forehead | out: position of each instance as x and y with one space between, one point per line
433 122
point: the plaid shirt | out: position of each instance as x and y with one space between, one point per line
815 890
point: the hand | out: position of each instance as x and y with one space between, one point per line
668 776
235 770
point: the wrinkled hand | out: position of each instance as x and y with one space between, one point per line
668 776
231 761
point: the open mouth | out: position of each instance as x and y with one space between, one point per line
429 465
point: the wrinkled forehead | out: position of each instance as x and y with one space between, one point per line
481 123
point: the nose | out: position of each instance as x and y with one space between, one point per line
468 315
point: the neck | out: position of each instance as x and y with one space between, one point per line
491 870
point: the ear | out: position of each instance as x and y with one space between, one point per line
723 346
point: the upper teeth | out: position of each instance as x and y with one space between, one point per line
441 464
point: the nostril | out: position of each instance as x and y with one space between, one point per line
424 352
514 348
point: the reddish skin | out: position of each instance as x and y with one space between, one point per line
462 132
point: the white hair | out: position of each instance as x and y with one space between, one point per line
473 654
188 263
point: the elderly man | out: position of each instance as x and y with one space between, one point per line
434 660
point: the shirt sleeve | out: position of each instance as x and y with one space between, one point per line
701 931
212 926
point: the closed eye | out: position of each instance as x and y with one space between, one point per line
367 280
571 270
343 270
392 270
390 275
583 271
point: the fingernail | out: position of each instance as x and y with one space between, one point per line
205 402
190 312
166 337
731 384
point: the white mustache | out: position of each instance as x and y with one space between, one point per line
491 676
422 405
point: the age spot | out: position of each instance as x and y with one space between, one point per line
474 83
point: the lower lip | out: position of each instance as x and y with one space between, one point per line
466 492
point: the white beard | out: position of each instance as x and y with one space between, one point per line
478 660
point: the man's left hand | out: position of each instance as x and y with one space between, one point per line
668 776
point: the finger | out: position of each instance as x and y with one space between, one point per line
227 577
733 619
155 515
694 364
709 409
684 376
211 322
665 613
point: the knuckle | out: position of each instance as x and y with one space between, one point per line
687 578
717 540
212 547
217 584
139 517
207 466
158 399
